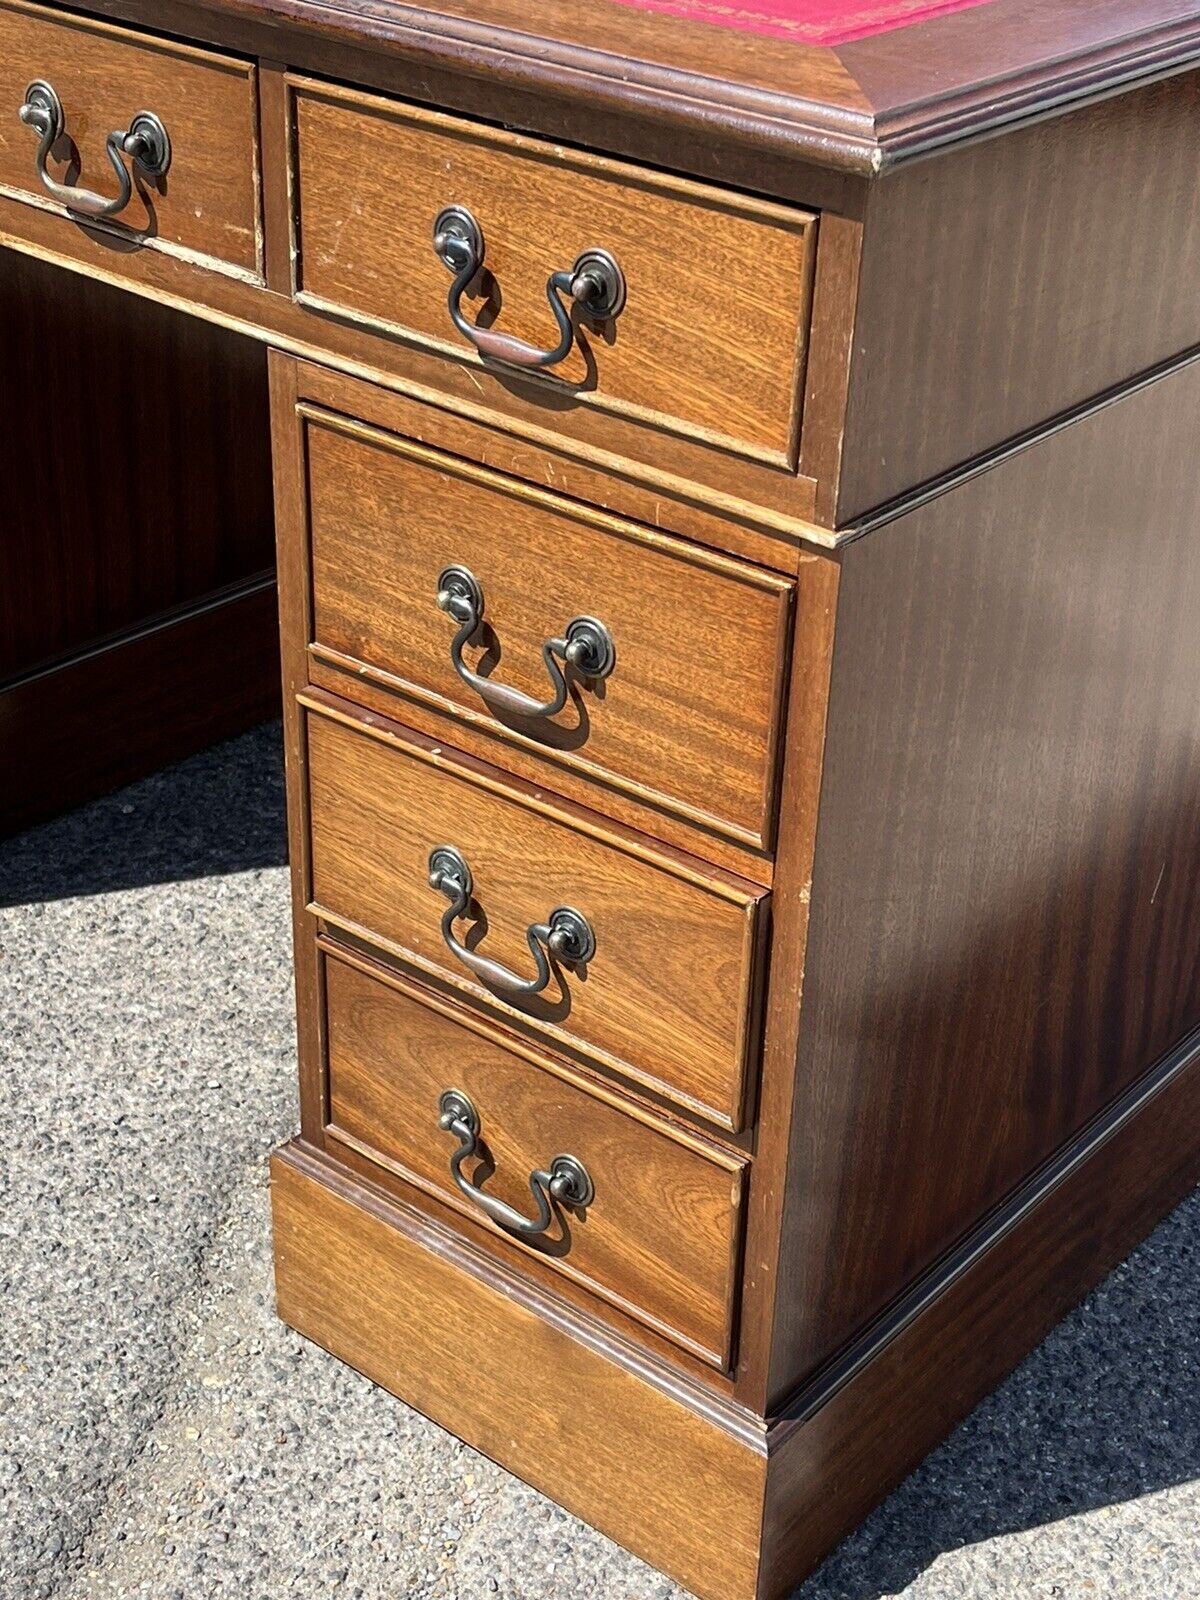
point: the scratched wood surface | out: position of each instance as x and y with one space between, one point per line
207 204
712 338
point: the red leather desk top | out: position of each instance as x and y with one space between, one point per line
814 22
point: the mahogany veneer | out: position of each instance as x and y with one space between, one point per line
662 1236
744 762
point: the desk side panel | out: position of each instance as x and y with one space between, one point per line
1012 280
1005 922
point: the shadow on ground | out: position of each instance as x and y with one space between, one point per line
221 811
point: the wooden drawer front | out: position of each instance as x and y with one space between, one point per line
688 715
711 341
658 1240
207 204
668 997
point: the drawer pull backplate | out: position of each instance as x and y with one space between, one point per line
566 1180
595 284
145 142
566 935
586 646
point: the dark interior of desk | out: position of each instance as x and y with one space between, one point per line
137 597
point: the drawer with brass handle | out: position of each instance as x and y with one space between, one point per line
601 645
121 129
626 954
632 1208
672 302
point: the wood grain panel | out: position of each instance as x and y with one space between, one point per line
137 611
134 459
712 339
1005 923
1008 282
519 1380
669 999
660 1238
690 713
206 207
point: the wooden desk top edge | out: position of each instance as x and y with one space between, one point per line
862 108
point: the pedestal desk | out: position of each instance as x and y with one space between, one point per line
737 506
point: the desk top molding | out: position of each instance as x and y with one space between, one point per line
864 107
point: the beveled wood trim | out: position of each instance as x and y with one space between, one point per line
775 96
523 148
736 1167
727 567
862 108
637 135
974 74
751 901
